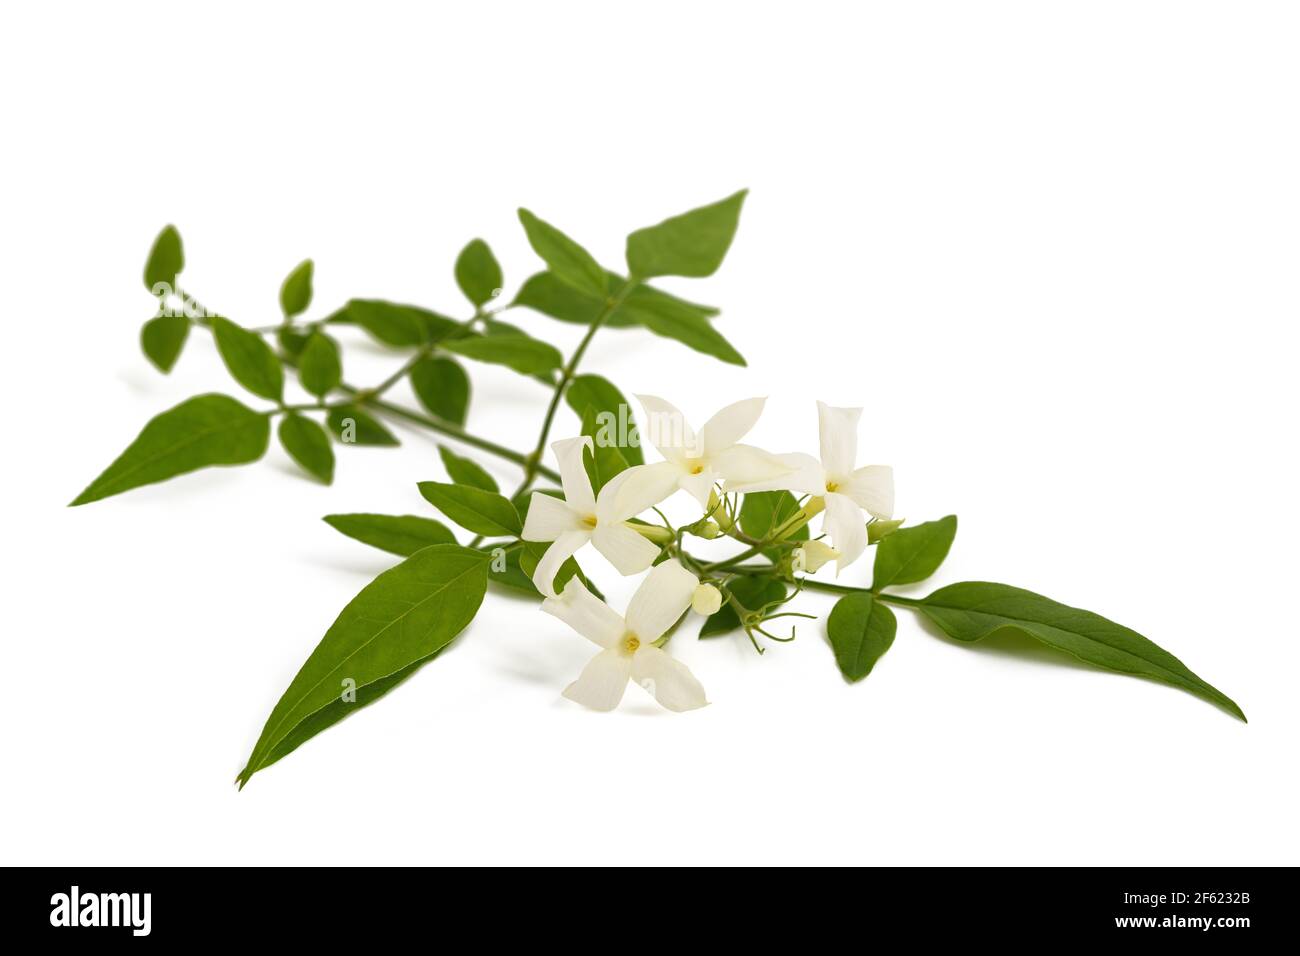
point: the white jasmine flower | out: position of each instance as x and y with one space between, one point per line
811 555
601 519
698 462
706 600
846 491
627 644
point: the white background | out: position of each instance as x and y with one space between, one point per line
1051 248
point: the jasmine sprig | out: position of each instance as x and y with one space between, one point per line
605 493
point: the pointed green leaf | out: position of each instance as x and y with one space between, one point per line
249 359
478 273
913 554
320 366
295 293
398 620
692 244
673 319
396 534
614 415
353 426
973 610
308 445
442 387
336 710
528 356
162 339
753 593
565 258
200 432
551 296
463 471
166 260
861 629
396 325
474 509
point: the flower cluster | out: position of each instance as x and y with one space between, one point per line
708 465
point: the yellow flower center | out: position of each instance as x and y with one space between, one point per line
630 643
697 468
589 521
831 487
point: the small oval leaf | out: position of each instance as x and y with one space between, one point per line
478 273
861 629
913 554
396 534
248 358
295 293
474 509
308 445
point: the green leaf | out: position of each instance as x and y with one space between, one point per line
913 554
675 319
352 426
551 296
295 293
762 512
166 260
613 411
199 432
442 387
528 356
292 341
396 534
249 359
880 529
603 460
404 616
320 367
308 445
465 472
753 593
973 610
336 710
478 273
513 576
474 509
861 629
162 339
396 325
565 258
692 244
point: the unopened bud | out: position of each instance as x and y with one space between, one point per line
706 600
708 530
879 530
811 555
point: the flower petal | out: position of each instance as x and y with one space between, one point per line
839 439
548 518
667 679
560 551
667 429
805 476
624 548
601 684
745 464
729 426
847 528
573 475
587 614
872 487
699 486
635 490
660 600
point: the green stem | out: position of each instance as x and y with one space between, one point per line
533 467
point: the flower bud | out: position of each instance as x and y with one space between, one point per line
706 600
880 529
708 530
811 555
